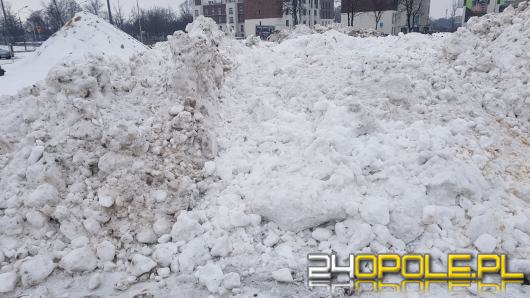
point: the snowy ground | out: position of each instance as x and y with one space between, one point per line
213 166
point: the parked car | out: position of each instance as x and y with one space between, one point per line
5 54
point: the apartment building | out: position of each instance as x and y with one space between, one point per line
265 16
477 8
262 17
391 19
228 14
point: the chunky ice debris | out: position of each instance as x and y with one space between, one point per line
282 275
141 264
211 276
205 156
79 260
8 281
35 269
485 243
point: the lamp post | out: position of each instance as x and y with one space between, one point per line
22 27
110 13
5 22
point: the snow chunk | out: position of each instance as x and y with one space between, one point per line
231 280
34 270
321 234
186 228
165 253
141 264
79 260
105 200
8 281
36 218
282 275
222 247
485 243
95 281
210 276
106 251
146 236
36 154
45 194
375 210
194 253
162 226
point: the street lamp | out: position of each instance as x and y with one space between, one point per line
22 27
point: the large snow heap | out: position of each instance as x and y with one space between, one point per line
96 162
208 162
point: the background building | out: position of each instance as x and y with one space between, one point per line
229 14
262 17
265 16
391 18
477 8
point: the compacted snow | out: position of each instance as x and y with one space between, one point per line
212 166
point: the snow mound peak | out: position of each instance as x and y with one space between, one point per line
495 47
89 34
82 36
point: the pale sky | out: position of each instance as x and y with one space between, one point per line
127 5
438 7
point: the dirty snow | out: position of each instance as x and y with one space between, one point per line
212 166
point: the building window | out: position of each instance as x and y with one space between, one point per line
242 28
287 23
197 2
196 13
231 19
230 10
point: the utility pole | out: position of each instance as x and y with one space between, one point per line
110 13
5 23
140 21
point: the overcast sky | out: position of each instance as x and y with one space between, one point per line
438 7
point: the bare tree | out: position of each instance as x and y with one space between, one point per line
412 9
294 9
57 12
378 9
186 8
454 9
94 6
352 8
119 17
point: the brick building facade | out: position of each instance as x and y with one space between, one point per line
260 17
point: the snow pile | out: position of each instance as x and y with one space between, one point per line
84 35
215 166
300 30
495 48
374 145
95 163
